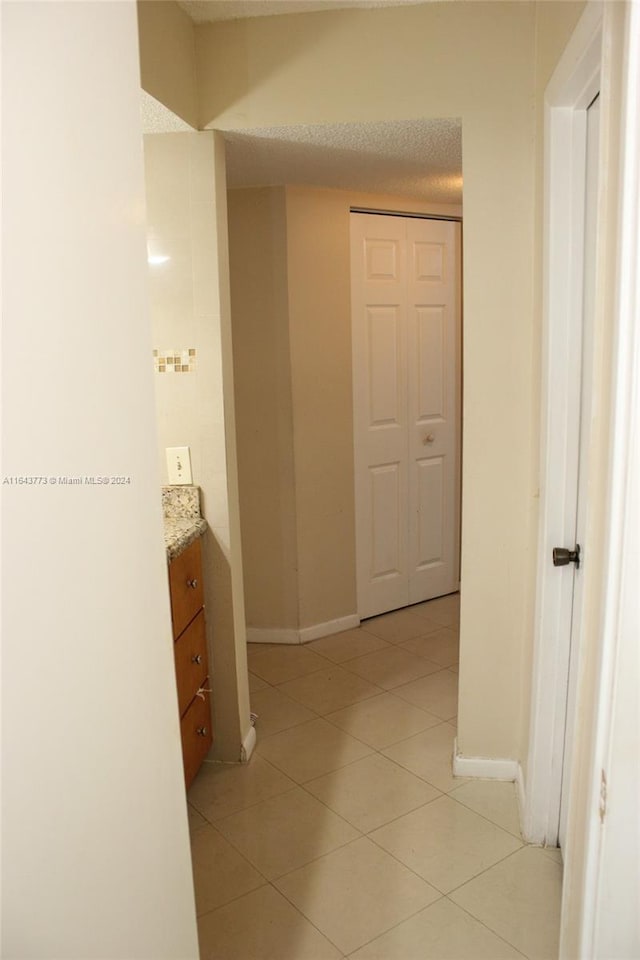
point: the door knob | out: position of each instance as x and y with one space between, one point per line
428 439
562 556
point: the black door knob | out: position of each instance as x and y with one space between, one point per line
562 556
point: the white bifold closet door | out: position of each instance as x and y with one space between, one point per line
405 276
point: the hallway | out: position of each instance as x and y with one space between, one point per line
346 835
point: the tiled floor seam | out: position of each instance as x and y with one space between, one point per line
495 933
308 920
321 856
396 743
310 673
220 906
247 861
403 683
379 750
388 823
398 924
326 719
401 862
369 696
214 823
431 884
439 763
270 883
480 873
518 836
363 834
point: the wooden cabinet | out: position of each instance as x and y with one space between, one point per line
190 651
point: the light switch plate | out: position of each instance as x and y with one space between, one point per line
179 465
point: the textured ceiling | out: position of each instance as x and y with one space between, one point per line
202 11
156 118
413 158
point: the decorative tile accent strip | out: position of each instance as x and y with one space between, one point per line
175 361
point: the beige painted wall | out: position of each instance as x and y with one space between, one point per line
183 209
95 845
264 411
475 61
320 324
319 283
554 25
167 56
291 301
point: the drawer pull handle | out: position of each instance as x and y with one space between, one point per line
196 658
202 731
192 583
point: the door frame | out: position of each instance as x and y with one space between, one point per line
571 89
600 917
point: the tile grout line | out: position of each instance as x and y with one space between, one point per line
374 751
273 883
517 836
270 883
361 832
476 876
308 920
398 924
486 926
255 802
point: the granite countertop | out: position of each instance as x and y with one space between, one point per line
183 522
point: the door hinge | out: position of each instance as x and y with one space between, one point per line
602 808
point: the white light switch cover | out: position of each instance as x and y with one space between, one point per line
179 465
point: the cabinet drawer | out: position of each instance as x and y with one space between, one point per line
185 581
190 651
197 736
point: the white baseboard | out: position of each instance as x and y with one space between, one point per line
329 628
248 745
521 788
271 635
484 768
305 635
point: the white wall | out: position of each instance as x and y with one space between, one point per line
95 842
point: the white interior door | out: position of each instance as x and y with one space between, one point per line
433 393
590 236
405 324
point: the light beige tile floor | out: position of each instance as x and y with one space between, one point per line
330 688
278 711
348 645
438 690
382 720
356 893
440 647
393 667
347 835
428 755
